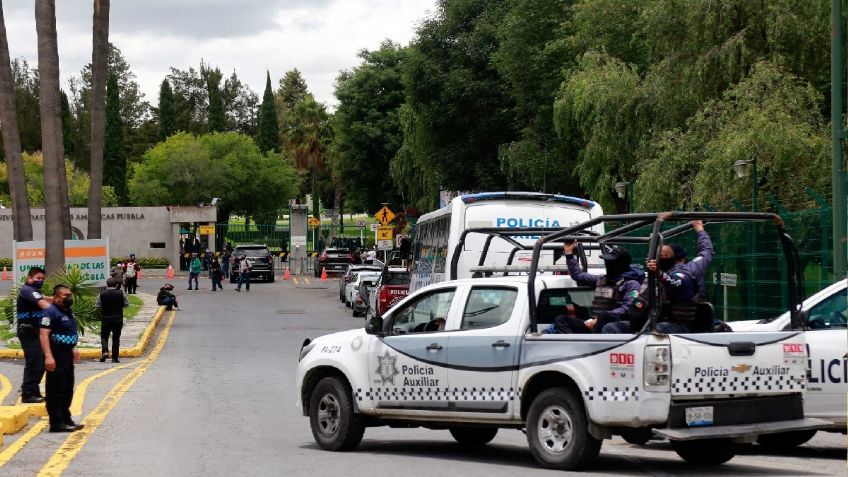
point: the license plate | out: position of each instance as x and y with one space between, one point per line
699 416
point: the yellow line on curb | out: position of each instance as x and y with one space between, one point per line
19 444
306 279
5 387
295 281
69 449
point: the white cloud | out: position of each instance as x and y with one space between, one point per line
319 37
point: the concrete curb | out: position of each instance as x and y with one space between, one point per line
89 353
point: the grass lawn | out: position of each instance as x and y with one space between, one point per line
132 310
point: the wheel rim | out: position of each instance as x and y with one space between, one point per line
328 415
555 429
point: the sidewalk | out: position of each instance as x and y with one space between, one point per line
135 335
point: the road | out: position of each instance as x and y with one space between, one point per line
216 397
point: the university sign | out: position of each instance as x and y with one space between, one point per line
91 257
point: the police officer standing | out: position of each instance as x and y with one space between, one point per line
30 308
111 302
58 342
683 282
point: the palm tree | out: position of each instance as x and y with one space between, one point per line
55 214
21 218
99 67
307 138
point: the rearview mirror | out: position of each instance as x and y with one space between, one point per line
375 326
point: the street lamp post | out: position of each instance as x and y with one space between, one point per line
625 189
739 167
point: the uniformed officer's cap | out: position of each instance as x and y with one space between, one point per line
679 251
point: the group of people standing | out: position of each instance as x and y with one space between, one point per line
127 273
218 269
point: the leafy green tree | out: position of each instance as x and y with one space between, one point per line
534 50
368 132
772 116
269 129
114 155
292 89
167 115
78 183
241 106
459 112
26 100
217 122
187 169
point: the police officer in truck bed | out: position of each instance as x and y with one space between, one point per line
30 308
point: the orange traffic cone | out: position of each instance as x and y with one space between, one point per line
5 274
170 272
287 274
323 274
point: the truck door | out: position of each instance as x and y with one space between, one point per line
828 359
483 351
407 366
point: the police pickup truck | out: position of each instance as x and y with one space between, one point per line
466 355
826 317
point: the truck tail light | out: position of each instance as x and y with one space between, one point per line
383 298
658 368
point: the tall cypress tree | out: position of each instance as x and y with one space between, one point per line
217 123
269 129
114 154
167 113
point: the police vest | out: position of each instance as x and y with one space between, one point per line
112 303
683 311
607 296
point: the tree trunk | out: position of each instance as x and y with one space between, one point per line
55 214
99 68
21 218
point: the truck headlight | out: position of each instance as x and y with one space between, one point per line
305 348
657 368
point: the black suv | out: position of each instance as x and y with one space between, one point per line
262 264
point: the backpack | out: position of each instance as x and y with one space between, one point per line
130 270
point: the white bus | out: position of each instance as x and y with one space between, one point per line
437 233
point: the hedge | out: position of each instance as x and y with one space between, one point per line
145 262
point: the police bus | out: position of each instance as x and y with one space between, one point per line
437 233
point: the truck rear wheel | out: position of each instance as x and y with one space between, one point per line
637 437
558 431
785 440
335 426
474 436
706 452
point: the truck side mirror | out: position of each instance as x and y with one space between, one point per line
375 326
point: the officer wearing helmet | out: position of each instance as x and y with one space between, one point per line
614 293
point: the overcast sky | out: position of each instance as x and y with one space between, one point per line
318 37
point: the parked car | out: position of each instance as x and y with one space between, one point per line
352 288
360 301
392 287
345 278
826 314
334 260
262 264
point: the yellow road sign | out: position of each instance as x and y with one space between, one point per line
385 233
385 215
313 222
206 230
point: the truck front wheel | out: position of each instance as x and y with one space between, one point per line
558 431
473 436
335 426
706 452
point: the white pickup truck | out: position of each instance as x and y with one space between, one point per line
465 355
826 316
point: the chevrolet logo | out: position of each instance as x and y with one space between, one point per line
741 368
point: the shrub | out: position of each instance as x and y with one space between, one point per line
145 262
85 297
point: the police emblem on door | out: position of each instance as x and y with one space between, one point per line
386 368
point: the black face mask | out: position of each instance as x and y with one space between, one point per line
666 264
69 302
616 268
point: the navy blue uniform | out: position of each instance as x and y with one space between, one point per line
60 382
29 316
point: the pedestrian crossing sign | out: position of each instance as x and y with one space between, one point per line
385 215
313 222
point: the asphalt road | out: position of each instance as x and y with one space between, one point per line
219 400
